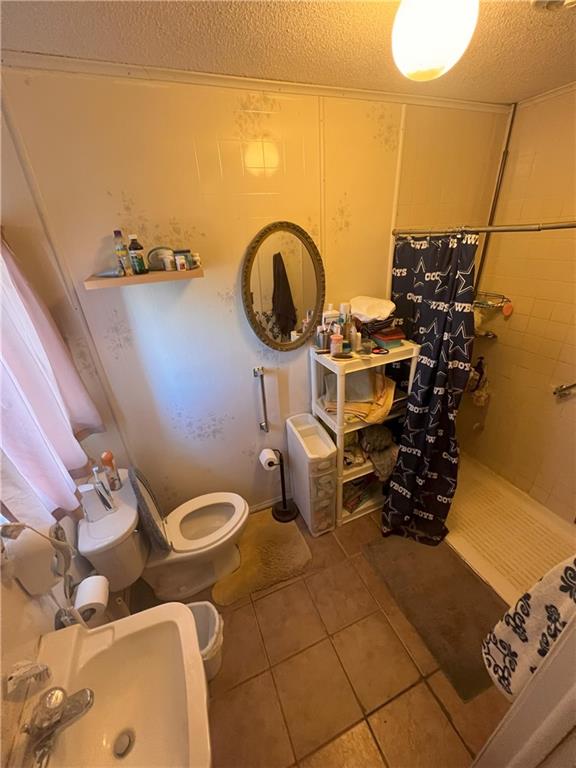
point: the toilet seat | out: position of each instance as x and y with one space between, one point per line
200 523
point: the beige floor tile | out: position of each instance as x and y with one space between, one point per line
206 594
476 719
376 662
316 697
354 749
340 596
416 647
247 728
325 549
274 587
413 732
289 621
356 534
243 653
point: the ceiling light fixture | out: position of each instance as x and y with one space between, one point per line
430 36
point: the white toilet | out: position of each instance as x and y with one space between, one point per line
178 555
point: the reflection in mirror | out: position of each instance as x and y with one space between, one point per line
283 285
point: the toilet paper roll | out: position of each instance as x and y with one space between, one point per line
91 597
268 459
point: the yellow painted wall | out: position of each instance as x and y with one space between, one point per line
193 165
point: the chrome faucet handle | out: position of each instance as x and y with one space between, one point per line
48 711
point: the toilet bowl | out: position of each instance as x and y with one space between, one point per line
178 555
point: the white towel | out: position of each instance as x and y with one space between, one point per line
516 647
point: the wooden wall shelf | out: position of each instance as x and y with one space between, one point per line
94 282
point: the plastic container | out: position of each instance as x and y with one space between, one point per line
210 631
312 466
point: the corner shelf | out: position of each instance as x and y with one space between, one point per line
94 282
320 364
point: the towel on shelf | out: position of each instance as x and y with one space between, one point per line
367 308
282 302
353 454
371 412
384 461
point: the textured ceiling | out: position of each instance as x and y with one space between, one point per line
517 50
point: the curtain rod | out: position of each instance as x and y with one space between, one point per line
479 230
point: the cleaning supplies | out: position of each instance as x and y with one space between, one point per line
121 253
136 253
109 465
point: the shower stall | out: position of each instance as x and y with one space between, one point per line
513 514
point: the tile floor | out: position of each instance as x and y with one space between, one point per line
327 672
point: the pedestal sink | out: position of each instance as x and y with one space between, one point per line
150 698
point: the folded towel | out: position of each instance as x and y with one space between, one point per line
370 412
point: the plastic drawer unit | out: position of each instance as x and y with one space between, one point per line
312 463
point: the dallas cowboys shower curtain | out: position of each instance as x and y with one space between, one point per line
432 287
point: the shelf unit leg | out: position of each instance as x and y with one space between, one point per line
413 363
340 400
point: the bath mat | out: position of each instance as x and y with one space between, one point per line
449 605
270 552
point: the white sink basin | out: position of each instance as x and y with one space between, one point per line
149 687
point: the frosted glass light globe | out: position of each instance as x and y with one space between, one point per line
430 36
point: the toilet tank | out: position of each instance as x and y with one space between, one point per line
122 563
113 543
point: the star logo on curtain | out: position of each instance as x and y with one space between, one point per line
464 285
430 332
420 270
401 471
443 282
461 340
409 433
434 422
418 388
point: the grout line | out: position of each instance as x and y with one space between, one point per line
447 714
278 698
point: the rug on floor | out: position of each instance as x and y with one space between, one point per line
270 552
449 605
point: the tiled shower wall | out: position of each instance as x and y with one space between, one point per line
206 167
525 434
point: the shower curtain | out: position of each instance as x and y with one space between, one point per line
432 287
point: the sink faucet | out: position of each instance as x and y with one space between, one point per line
54 711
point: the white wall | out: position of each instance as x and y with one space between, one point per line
173 162
525 434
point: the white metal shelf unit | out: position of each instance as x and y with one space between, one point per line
319 366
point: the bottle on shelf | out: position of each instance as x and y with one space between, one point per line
121 253
136 253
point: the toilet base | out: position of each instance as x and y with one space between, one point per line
180 581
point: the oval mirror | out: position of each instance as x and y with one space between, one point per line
283 285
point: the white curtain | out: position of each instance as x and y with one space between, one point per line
45 406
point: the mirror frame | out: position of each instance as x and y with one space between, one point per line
248 263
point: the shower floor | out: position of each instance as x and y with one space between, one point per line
507 537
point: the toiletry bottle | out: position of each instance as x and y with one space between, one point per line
107 459
336 343
136 252
122 253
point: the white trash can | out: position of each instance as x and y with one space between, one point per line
210 631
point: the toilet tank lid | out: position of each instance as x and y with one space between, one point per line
107 532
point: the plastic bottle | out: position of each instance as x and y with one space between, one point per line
122 253
107 459
136 252
336 341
